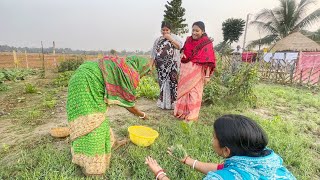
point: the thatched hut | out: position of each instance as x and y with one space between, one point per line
296 42
306 53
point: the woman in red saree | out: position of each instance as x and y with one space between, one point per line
197 65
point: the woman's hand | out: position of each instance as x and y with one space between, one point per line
168 36
172 153
137 112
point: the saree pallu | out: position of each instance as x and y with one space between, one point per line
89 126
190 91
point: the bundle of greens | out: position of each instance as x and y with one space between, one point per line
178 151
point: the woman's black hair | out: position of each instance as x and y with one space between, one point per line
242 135
201 25
165 24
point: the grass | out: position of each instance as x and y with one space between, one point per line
289 115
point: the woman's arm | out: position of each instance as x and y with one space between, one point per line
201 166
137 112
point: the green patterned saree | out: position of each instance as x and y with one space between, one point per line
93 87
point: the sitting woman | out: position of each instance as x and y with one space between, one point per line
243 143
92 89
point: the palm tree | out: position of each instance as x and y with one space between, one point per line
281 21
312 35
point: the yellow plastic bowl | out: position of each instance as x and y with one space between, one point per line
142 136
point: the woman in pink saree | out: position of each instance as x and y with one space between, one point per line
198 62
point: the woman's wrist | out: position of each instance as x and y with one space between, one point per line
142 116
161 176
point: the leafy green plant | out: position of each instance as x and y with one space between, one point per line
70 64
63 79
50 104
2 77
241 84
148 88
16 74
4 87
30 88
33 114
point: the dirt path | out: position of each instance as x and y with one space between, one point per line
12 134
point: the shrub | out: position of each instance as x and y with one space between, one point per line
233 84
70 64
148 88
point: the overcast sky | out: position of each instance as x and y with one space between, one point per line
117 24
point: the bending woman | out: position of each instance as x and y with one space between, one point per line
92 89
166 55
197 65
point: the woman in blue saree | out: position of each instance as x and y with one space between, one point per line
243 143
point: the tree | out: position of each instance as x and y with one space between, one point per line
232 30
174 15
312 35
113 52
281 21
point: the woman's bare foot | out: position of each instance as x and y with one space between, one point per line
153 165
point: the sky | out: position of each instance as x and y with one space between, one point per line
113 24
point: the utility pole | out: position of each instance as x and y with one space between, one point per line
245 33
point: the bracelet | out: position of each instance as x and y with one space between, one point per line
207 76
194 164
144 115
160 173
185 160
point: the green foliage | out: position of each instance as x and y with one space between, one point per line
241 84
232 29
148 88
33 114
2 77
4 87
50 104
70 64
15 74
63 79
174 15
234 84
49 100
30 88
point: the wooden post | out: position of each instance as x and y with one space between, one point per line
26 55
15 59
43 65
55 64
301 77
